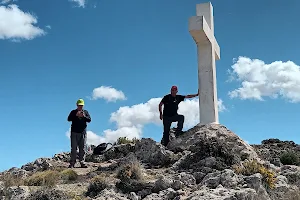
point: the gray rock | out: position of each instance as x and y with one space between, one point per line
119 151
221 193
17 192
2 187
133 196
212 146
292 173
40 164
153 153
111 194
162 195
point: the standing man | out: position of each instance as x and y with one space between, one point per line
169 115
79 119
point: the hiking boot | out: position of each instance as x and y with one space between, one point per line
71 166
83 165
178 133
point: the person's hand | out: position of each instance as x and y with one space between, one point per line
160 116
78 113
81 114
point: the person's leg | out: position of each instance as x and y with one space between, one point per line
180 121
73 138
82 148
167 124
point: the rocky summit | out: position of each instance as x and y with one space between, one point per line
206 162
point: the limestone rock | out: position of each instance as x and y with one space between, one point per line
162 195
15 173
212 146
111 194
119 151
272 149
49 194
153 153
40 164
17 192
221 193
2 192
292 173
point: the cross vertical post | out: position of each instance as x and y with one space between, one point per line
201 28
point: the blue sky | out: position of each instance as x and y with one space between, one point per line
123 56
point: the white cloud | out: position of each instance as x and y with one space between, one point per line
258 79
130 120
16 24
108 93
221 106
48 26
81 3
7 1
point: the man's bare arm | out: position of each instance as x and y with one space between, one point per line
160 107
192 95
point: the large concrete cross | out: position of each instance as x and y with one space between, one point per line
201 27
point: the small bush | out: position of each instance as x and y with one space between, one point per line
130 170
125 140
290 158
46 178
131 177
98 183
11 180
69 175
253 167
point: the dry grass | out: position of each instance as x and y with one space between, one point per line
68 175
47 178
12 180
125 140
130 170
253 167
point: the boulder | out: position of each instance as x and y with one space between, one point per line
212 147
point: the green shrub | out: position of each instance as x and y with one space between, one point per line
69 175
290 158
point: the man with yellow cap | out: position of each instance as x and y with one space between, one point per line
79 118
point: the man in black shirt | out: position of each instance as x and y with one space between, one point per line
79 119
169 115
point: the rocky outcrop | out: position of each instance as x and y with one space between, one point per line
206 162
272 149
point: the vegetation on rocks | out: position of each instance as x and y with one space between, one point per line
290 158
46 178
125 140
252 167
97 184
207 162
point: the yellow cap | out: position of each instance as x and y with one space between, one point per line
80 102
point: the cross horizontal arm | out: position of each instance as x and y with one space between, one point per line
201 33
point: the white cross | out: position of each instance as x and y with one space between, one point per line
201 27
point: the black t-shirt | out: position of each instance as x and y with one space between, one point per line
171 104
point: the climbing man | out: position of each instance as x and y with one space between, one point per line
79 118
169 114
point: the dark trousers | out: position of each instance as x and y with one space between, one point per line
77 140
167 121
